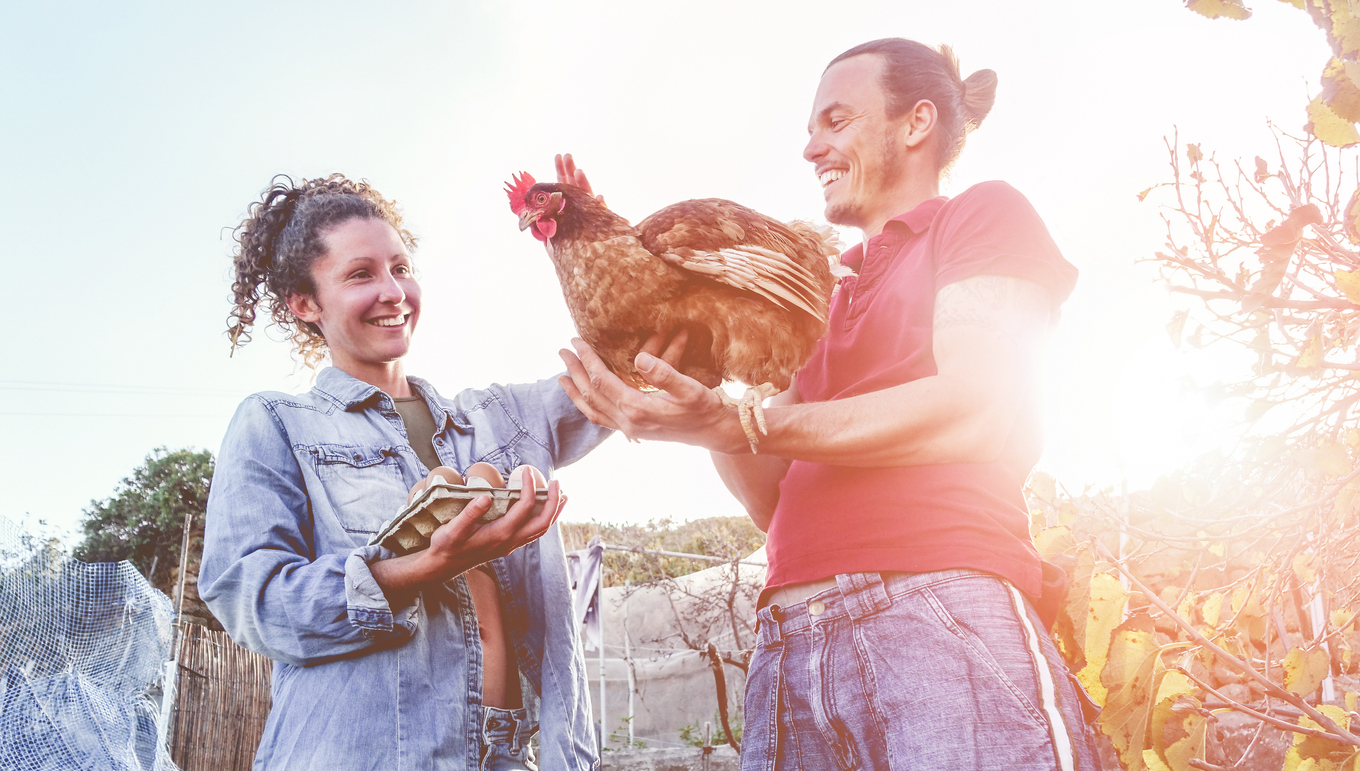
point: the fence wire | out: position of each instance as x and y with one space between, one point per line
82 647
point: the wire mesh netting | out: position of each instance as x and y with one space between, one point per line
81 647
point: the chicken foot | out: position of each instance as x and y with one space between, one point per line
750 411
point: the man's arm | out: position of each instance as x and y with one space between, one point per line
988 336
754 479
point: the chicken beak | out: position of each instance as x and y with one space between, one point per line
527 218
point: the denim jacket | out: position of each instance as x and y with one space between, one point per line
301 484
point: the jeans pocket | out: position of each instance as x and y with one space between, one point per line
978 612
759 741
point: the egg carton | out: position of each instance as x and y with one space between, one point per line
409 531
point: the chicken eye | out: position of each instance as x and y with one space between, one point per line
540 198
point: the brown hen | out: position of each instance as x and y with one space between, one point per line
753 292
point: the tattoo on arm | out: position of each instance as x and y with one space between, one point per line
1008 305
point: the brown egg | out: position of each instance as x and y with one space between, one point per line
516 480
441 474
447 474
486 472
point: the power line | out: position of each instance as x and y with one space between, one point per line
37 385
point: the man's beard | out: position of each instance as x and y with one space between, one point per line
886 170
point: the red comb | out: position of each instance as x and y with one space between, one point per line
517 188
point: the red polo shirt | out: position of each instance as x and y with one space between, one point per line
842 519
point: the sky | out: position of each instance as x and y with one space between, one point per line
133 136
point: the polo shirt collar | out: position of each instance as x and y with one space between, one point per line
915 221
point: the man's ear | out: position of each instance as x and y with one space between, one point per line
304 307
919 124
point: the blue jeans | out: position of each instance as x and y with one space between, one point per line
505 740
947 670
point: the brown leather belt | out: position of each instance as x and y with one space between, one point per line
792 594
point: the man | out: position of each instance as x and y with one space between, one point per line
897 628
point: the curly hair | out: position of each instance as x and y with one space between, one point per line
280 239
914 71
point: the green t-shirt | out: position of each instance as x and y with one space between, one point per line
419 428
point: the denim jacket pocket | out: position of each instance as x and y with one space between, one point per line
358 483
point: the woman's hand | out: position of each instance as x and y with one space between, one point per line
463 542
568 174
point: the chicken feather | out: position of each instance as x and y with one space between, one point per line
753 292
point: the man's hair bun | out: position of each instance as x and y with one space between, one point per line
979 94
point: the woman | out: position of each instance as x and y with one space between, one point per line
447 658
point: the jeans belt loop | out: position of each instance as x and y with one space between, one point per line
864 594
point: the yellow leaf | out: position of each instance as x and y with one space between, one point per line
1351 702
1186 609
1311 358
1104 613
1219 9
1351 221
1043 487
1304 671
1179 754
1144 194
1052 541
1130 677
1353 438
1312 753
1212 608
1348 281
1305 567
1332 459
1339 92
1328 126
1153 762
1258 408
1341 617
1296 3
1193 153
1176 326
1347 502
1339 22
1216 549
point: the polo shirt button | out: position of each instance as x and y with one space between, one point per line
816 607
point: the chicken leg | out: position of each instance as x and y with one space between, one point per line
749 410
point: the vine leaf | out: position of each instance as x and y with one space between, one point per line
1219 9
1339 91
1351 221
1339 23
1311 357
1348 281
1176 326
1131 677
1305 670
1212 608
1332 459
1277 246
1177 734
1310 752
1328 126
1107 600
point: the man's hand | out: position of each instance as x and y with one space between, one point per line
568 174
682 411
